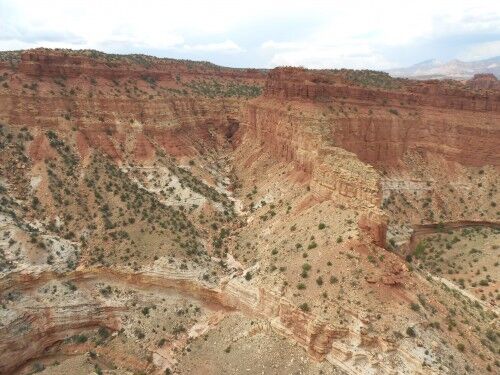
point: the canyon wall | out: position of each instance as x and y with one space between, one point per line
30 333
343 346
454 120
120 103
43 62
303 141
180 126
385 140
325 85
78 93
442 118
448 119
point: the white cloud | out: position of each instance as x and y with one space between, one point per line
227 46
272 45
481 51
321 33
327 56
154 24
358 32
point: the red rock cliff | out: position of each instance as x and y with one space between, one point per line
71 64
444 118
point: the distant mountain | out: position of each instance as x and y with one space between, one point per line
456 69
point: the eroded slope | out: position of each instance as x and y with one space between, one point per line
169 218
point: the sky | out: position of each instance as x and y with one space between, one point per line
358 34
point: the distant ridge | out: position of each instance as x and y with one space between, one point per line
454 69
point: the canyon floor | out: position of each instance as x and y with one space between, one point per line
161 216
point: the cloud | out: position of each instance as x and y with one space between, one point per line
321 56
481 51
272 45
227 46
363 34
321 33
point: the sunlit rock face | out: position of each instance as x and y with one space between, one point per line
166 216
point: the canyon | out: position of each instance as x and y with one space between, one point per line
163 216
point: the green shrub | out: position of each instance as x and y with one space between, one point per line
415 306
80 339
38 367
410 331
304 307
312 245
103 332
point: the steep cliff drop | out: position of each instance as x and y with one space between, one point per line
164 216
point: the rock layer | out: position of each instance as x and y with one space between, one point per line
27 336
451 120
343 346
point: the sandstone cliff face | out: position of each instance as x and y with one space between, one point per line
484 82
69 64
112 101
343 346
384 141
283 135
28 335
180 126
451 120
297 83
303 141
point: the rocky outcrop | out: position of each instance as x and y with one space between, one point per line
326 85
182 126
303 142
374 223
41 328
422 230
340 174
71 64
463 131
484 82
468 140
29 334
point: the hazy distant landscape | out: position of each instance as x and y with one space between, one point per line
454 69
